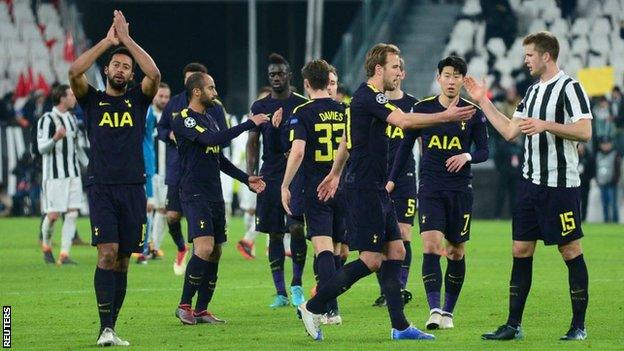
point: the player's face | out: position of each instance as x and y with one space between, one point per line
450 81
279 77
69 100
534 61
119 71
391 72
332 87
162 98
209 92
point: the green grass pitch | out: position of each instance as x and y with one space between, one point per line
53 308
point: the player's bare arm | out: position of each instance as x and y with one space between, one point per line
508 128
149 85
327 188
580 130
295 158
77 78
422 120
253 151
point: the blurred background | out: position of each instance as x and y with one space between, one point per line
39 40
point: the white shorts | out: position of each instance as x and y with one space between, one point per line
60 195
160 191
227 184
246 198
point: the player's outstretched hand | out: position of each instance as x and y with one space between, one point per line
455 113
256 184
327 188
532 126
286 200
276 120
476 90
111 36
455 163
390 187
259 119
121 26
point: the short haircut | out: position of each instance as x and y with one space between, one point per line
194 67
333 70
122 50
163 85
342 90
317 74
458 64
544 42
58 92
401 64
378 55
194 81
277 59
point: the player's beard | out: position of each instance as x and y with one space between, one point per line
115 85
207 102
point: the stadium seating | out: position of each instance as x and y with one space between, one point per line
30 38
591 39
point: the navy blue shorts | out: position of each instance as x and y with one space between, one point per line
173 199
269 210
118 215
203 217
325 218
371 220
551 214
404 198
449 212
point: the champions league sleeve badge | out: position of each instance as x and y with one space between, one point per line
189 122
381 99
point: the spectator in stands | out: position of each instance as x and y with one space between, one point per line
26 197
33 109
587 171
7 114
617 109
500 20
608 175
568 8
604 125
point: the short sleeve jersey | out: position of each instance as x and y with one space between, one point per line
115 128
321 124
366 139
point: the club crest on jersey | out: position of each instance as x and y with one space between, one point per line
381 98
520 107
189 122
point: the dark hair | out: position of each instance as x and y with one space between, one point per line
163 85
342 90
194 67
317 74
277 59
194 81
122 50
378 55
58 92
458 64
544 42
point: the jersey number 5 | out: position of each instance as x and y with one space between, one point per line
330 138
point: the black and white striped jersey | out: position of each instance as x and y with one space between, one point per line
548 159
60 158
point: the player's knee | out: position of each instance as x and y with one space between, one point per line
107 257
454 253
522 251
296 230
276 237
396 252
215 256
71 215
570 251
173 217
53 216
372 261
431 247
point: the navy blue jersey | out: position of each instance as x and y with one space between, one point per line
273 148
174 106
199 139
115 127
321 124
366 139
442 141
396 135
